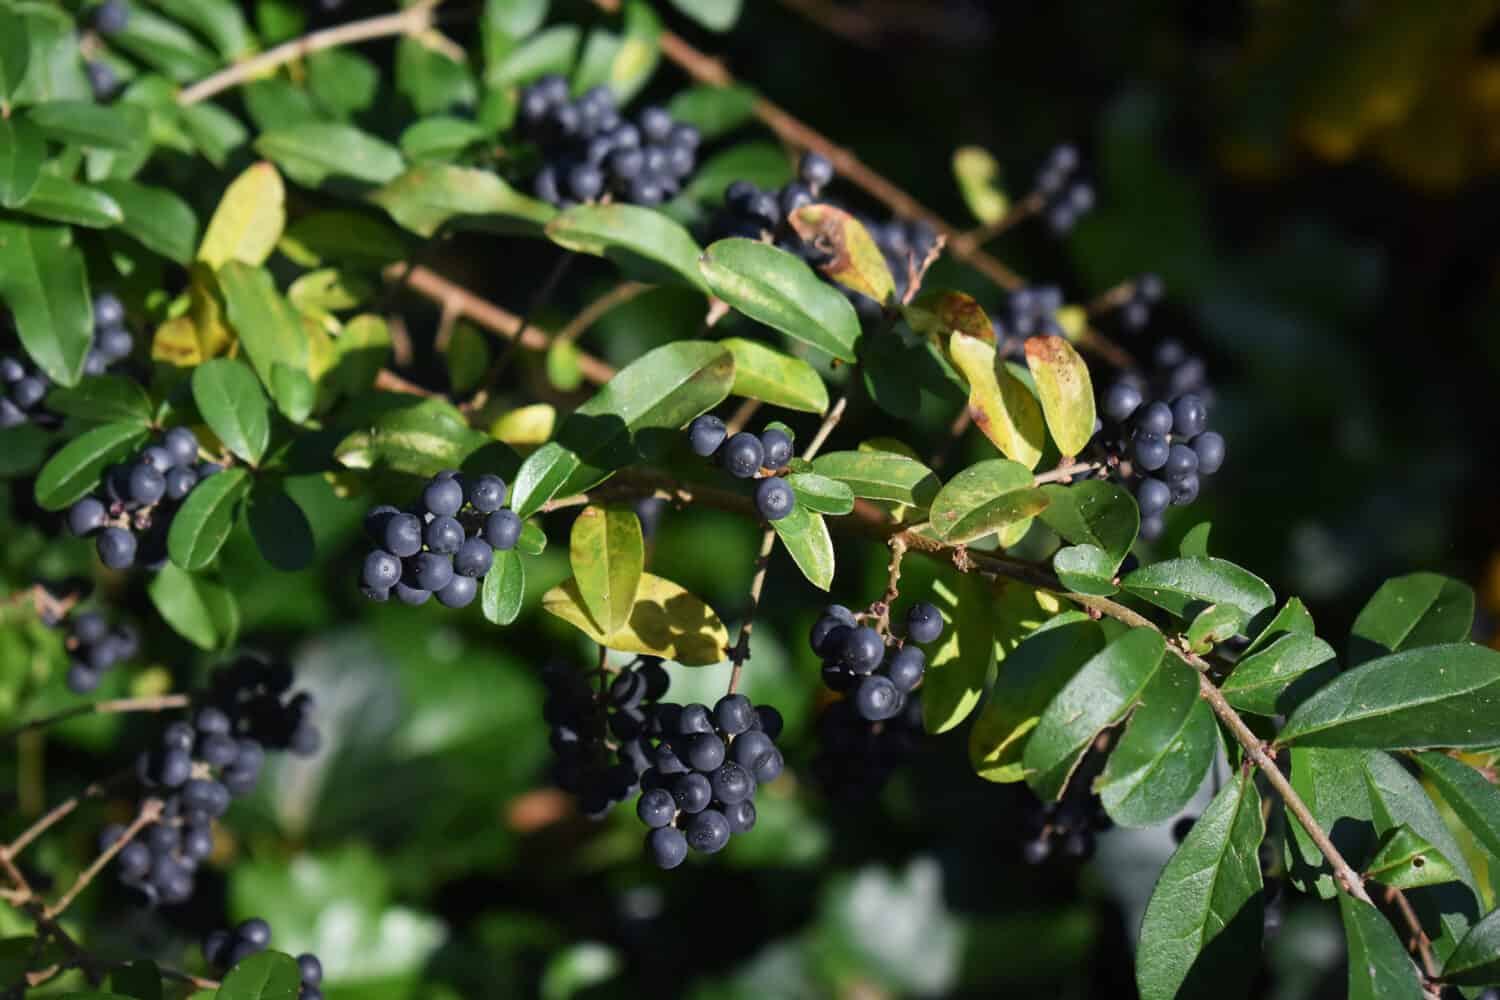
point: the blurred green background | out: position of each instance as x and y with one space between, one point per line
1316 184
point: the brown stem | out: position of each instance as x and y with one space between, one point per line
741 651
150 812
882 607
388 381
57 814
114 706
1018 213
1420 943
1066 471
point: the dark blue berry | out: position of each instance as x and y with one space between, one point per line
111 18
656 808
741 816
158 458
182 445
1155 419
734 714
443 496
708 831
474 558
1181 460
748 749
692 792
1121 401
877 698
134 859
815 170
402 536
381 570
705 434
768 721
1209 447
732 783
81 678
906 668
862 650
1152 496
924 622
666 847
86 517
428 571
412 596
776 447
1189 415
774 498
502 529
115 343
1184 489
487 494
179 482
459 592
742 455
703 752
693 720
443 535
116 548
1151 451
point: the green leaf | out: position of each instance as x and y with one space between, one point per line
1198 913
941 311
140 980
311 152
1178 585
1003 408
200 610
984 498
103 399
343 82
84 123
1405 860
1379 968
45 284
345 239
1275 680
15 52
1476 960
978 176
331 291
959 668
432 80
666 621
280 526
421 439
881 475
641 411
1099 695
439 138
1065 390
74 472
203 522
269 975
248 221
215 132
1432 696
638 53
1333 786
820 493
54 68
234 407
64 201
854 260
541 476
771 376
504 588
775 288
1166 751
156 218
271 334
550 51
1398 799
22 150
1214 624
1195 542
639 240
1421 609
714 111
1469 794
427 196
1030 677
1085 569
715 15
220 21
163 45
763 164
608 553
1292 618
805 535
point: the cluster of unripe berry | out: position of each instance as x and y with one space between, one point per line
1068 828
94 647
598 736
23 387
590 151
1030 311
706 766
139 498
197 767
856 660
224 949
746 456
444 545
1065 198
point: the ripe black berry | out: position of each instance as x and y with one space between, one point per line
862 650
443 496
877 698
403 535
474 558
382 570
815 170
774 498
776 447
924 622
428 571
459 592
502 529
708 832
706 434
1209 447
742 455
1189 416
656 808
666 847
116 548
487 494
906 667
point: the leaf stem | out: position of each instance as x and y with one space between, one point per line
113 706
150 812
741 651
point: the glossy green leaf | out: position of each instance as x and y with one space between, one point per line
1214 624
1278 678
15 52
248 220
76 204
439 138
1292 618
773 287
881 475
1160 762
203 522
332 291
220 21
1476 960
201 610
215 132
422 439
820 493
1398 799
1473 799
74 472
1093 513
632 64
504 588
282 531
643 242
431 79
1065 390
959 668
162 44
978 176
1432 696
550 51
771 376
54 65
1332 785
103 399
806 538
1405 860
234 407
1379 968
1195 542
541 476
1002 407
713 111
269 975
1421 609
762 163
1085 569
666 621
1108 686
83 123
346 239
943 311
271 333
984 498
156 218
1203 912
715 15
853 259
427 196
311 152
44 283
608 553
22 150
361 350
1179 585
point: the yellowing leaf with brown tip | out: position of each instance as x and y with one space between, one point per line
857 262
1002 407
248 221
1067 393
665 621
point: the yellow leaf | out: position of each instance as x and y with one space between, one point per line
1001 405
248 221
666 621
527 425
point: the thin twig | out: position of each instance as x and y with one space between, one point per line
57 814
741 651
1065 472
150 812
882 607
1420 943
1018 213
114 706
826 428
596 310
741 417
412 21
538 302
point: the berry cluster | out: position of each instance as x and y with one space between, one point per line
23 387
198 767
856 756
141 496
1065 199
746 456
707 764
1163 443
443 545
94 647
598 737
589 150
1030 312
1145 292
752 213
903 243
1068 828
224 949
856 658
